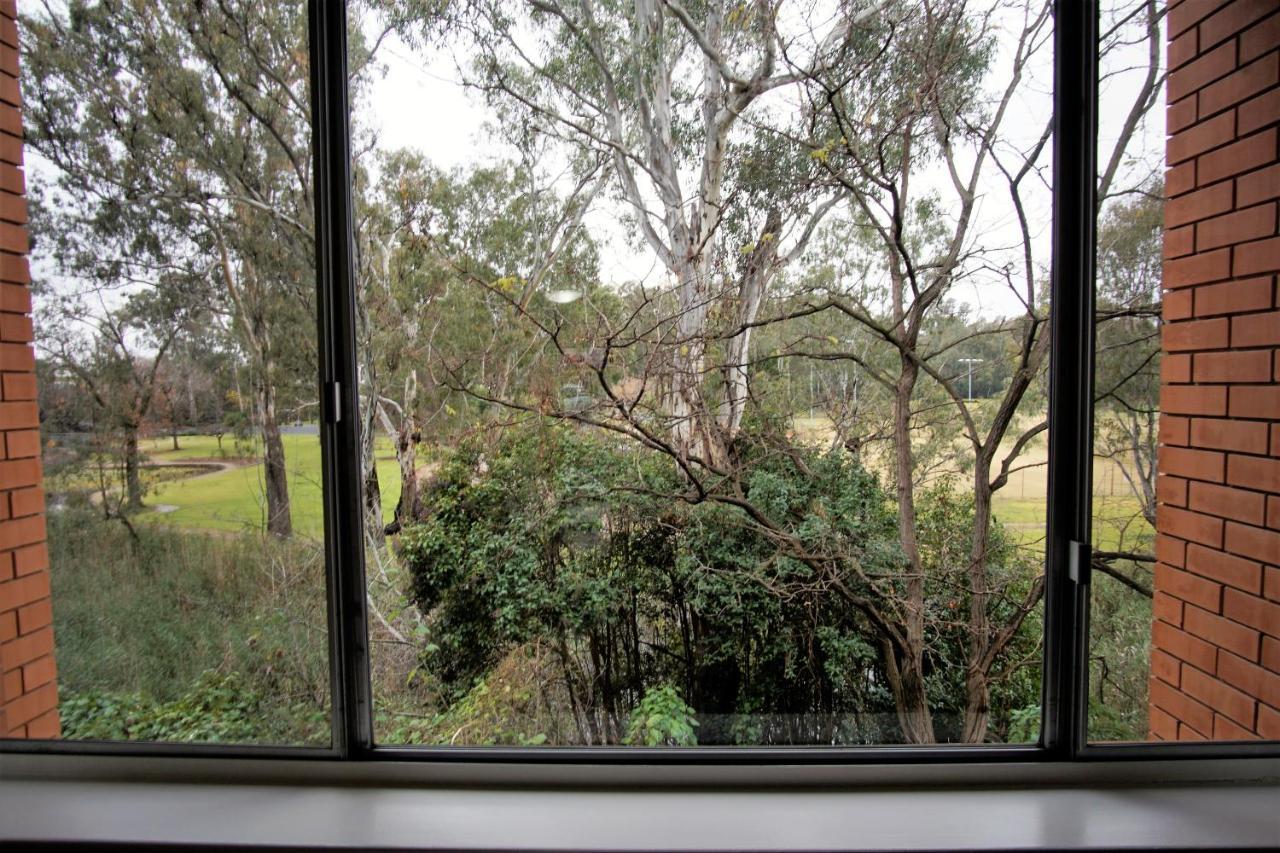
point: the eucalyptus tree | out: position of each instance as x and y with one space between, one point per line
671 107
178 133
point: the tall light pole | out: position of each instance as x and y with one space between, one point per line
971 362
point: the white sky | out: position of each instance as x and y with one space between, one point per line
421 104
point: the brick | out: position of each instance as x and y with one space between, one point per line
1240 85
21 444
1250 294
1226 502
1201 204
1205 136
1250 678
45 726
20 414
1232 366
1194 464
1190 12
1248 224
1273 511
1165 667
1260 39
1191 526
25 502
17 357
1221 632
1162 726
1228 569
1173 430
1268 723
1255 401
1275 439
1181 706
34 616
1179 242
1171 551
1254 472
1186 733
1236 158
1244 608
1255 542
1189 588
8 625
26 648
1258 113
1261 185
14 268
38 673
13 208
1271 655
1218 695
31 705
1168 609
1198 73
15 328
15 297
1182 272
32 558
12 178
1256 330
1175 368
1187 335
11 685
1225 730
22 531
1180 179
1232 19
1183 646
18 473
23 591
1183 49
1171 490
1182 115
1240 436
1194 399
19 386
1258 256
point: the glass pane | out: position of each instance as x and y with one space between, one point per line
703 370
169 161
1185 633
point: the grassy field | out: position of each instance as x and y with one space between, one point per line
235 499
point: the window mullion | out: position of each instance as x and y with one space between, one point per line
1071 372
335 268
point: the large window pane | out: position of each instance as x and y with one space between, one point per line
1185 628
702 363
170 173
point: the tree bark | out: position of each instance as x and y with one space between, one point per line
132 473
279 517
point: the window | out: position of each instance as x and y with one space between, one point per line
717 383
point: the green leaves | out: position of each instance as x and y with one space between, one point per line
662 719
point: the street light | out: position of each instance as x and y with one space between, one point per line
971 362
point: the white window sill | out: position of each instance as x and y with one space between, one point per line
73 799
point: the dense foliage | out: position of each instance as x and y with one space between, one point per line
560 540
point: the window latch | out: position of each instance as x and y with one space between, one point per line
1079 562
335 402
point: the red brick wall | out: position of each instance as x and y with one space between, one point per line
28 692
1215 658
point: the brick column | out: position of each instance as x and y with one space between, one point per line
1215 652
28 691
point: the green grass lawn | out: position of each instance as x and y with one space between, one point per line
236 499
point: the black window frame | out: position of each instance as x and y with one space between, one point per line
1064 716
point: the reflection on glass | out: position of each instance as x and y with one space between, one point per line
702 362
170 167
